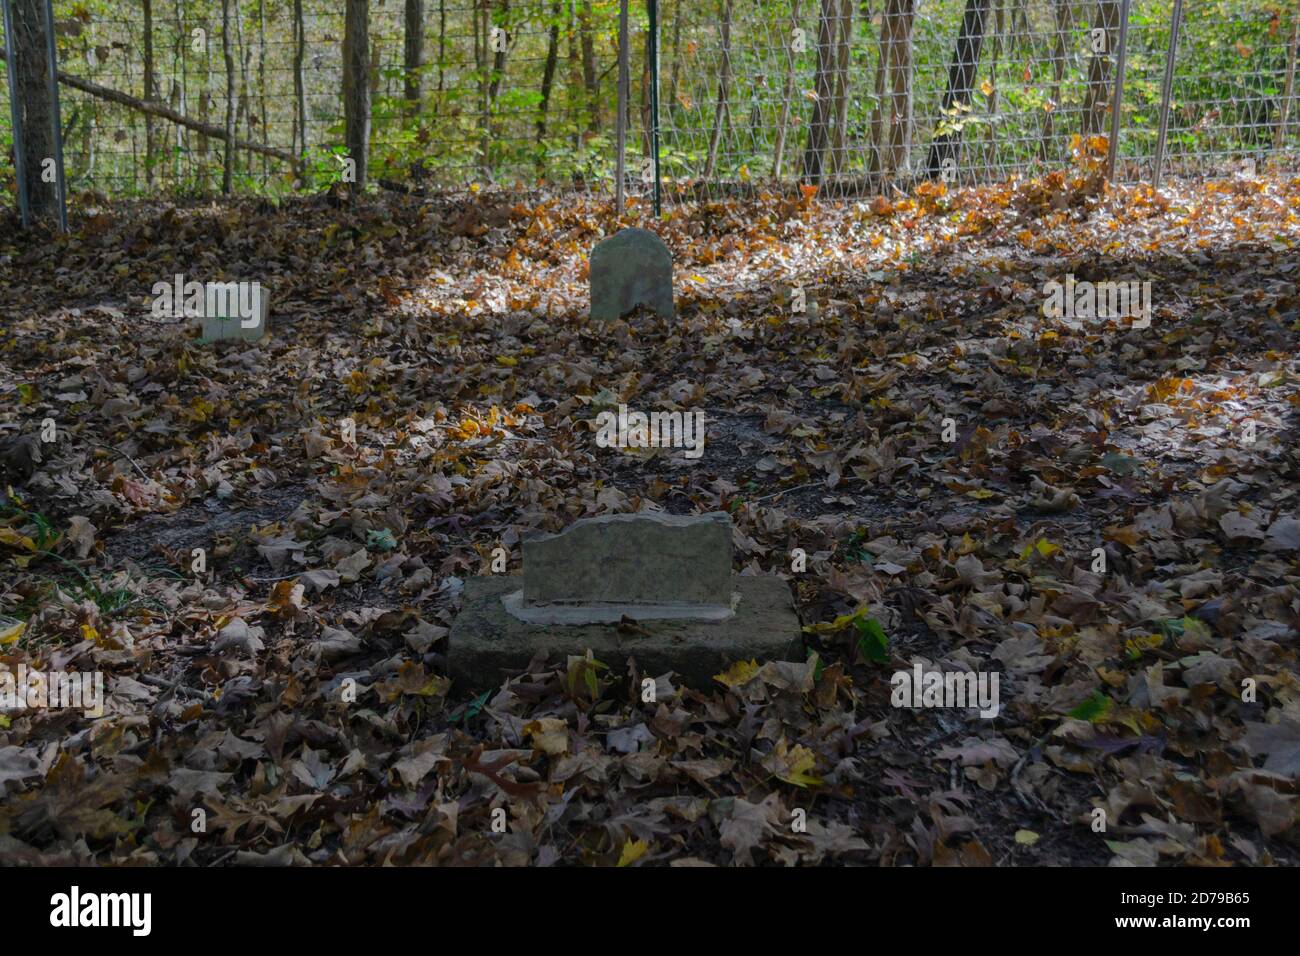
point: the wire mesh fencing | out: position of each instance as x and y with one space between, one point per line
855 96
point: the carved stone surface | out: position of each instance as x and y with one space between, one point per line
628 559
632 267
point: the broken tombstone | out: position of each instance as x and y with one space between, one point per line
632 267
655 587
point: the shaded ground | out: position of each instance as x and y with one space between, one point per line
453 333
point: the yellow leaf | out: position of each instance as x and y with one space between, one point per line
827 627
793 765
741 672
507 361
986 88
1046 548
15 540
633 850
88 633
1026 837
979 493
1136 645
9 633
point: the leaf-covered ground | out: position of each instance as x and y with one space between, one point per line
1162 690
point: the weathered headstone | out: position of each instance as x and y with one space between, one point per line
223 317
632 267
644 566
671 574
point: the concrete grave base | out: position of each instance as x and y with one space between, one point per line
486 640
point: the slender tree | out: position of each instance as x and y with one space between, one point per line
413 53
1062 12
787 92
590 81
548 71
840 97
961 85
228 161
150 90
299 144
356 86
724 83
819 127
1288 85
1101 45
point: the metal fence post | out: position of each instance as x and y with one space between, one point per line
621 124
1112 152
1166 91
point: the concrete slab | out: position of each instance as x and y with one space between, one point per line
486 641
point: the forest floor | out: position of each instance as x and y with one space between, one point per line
1104 515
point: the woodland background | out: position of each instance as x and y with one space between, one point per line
1016 83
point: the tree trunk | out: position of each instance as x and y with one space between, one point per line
442 45
356 87
961 84
840 99
299 146
499 55
589 79
1094 109
413 51
548 71
724 83
150 90
205 108
577 92
675 72
787 93
36 107
180 93
228 163
815 152
1061 8
263 131
647 120
1288 85
244 109
481 37
900 132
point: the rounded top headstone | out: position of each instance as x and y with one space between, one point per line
632 267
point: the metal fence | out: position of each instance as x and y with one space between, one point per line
855 96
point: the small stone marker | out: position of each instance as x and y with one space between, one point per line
221 314
671 574
644 566
632 267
